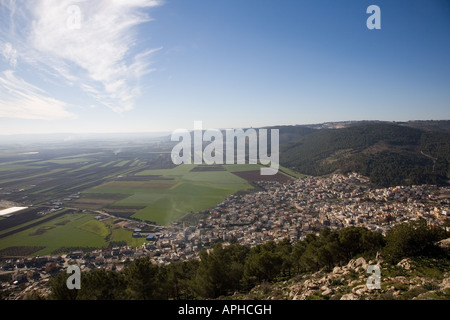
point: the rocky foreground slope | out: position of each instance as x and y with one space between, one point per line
408 280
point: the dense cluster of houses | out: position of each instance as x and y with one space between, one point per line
283 210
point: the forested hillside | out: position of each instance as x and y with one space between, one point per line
389 154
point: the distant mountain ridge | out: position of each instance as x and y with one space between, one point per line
389 153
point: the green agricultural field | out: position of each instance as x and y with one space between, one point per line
292 173
65 161
68 235
85 167
95 227
17 167
33 176
184 199
70 230
108 164
251 167
31 222
168 200
135 163
122 186
119 234
142 199
122 163
241 167
175 172
82 155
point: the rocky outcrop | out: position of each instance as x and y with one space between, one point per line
445 244
349 296
360 262
349 282
405 264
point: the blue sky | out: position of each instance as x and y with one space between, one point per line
149 65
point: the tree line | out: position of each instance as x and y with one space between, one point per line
388 154
225 269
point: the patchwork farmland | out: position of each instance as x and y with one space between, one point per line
163 196
66 188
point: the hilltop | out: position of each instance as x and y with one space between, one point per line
388 153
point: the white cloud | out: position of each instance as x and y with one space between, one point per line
19 99
9 53
88 44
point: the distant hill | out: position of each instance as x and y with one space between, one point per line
426 125
290 133
429 125
388 153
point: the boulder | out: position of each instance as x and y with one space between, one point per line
360 289
361 262
349 296
445 284
324 280
312 286
444 244
327 292
405 264
354 282
401 279
397 293
337 270
355 263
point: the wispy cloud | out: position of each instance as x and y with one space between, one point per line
19 99
9 53
87 44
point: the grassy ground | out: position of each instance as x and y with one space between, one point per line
68 235
33 176
184 199
70 230
14 167
65 161
29 222
108 164
95 227
122 163
196 191
189 191
241 167
168 200
292 173
84 167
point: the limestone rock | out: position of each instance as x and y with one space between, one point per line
360 262
327 292
361 289
405 264
401 279
444 244
445 284
349 296
352 283
337 270
397 293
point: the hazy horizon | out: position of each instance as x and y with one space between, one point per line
156 66
74 136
